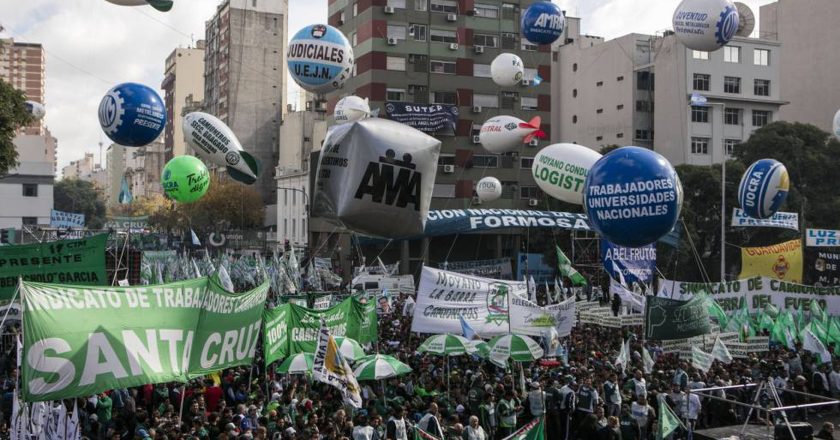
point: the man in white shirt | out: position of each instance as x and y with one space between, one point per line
363 431
691 409
430 423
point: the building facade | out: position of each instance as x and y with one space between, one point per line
114 171
82 169
183 77
23 66
245 78
143 167
26 192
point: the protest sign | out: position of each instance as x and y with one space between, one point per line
429 118
787 220
455 221
672 319
782 261
350 318
276 333
61 219
121 223
822 267
822 238
636 264
498 268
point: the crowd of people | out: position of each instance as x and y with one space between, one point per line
583 396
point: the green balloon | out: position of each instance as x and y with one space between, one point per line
185 179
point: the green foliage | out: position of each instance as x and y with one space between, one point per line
79 196
13 115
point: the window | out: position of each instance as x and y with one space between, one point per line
355 9
529 103
599 111
644 81
487 40
574 119
438 66
509 100
732 116
761 57
574 93
702 81
620 135
731 54
526 162
731 84
354 39
699 114
450 98
729 145
508 41
421 93
700 55
485 161
486 11
762 87
397 4
619 107
482 71
421 5
421 62
574 67
643 135
444 6
509 11
599 84
442 36
444 191
487 101
528 46
29 221
395 63
760 118
395 94
699 145
417 31
620 78
30 190
446 159
529 192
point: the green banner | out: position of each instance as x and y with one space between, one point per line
667 319
350 318
276 333
59 262
82 340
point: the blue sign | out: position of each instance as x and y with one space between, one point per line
459 221
432 119
763 188
132 115
320 59
637 265
632 196
543 22
61 219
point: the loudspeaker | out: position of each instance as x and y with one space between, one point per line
801 431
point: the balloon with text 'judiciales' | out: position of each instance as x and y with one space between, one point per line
632 196
36 109
507 70
763 189
160 5
320 58
505 133
185 179
488 189
213 141
561 169
543 22
375 177
351 109
132 115
705 25
835 128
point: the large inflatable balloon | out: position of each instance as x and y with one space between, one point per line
320 58
705 24
160 5
543 22
561 169
36 109
507 70
132 115
835 128
763 189
185 179
351 109
488 189
632 196
504 133
376 177
215 142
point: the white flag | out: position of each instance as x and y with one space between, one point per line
813 344
648 361
700 359
330 367
624 355
720 352
72 426
532 290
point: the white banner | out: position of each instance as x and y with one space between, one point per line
527 318
758 292
787 220
322 302
822 237
636 301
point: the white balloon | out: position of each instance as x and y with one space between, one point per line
351 109
488 189
36 109
504 133
213 141
507 70
705 25
835 128
561 169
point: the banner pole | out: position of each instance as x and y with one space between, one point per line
181 406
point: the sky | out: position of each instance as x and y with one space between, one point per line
92 45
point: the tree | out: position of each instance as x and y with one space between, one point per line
227 205
13 115
79 196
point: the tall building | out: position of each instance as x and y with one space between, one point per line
23 66
26 192
140 166
82 169
245 78
635 90
439 52
807 60
114 170
183 77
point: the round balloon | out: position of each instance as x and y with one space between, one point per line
507 70
320 58
561 169
185 179
763 189
132 115
351 109
705 24
36 109
488 189
835 128
632 196
543 22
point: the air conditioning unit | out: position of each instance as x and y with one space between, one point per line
389 9
476 109
449 169
451 17
392 41
534 142
526 82
453 46
476 139
479 49
533 202
476 201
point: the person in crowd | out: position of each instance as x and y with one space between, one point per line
474 431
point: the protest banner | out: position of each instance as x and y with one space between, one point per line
61 219
528 318
350 318
822 238
781 261
122 223
498 268
672 319
636 264
429 118
822 267
455 221
786 220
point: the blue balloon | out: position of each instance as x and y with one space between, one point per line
632 196
543 22
132 115
763 189
320 58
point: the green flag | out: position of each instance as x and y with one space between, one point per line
276 333
817 312
765 322
668 421
533 430
566 269
348 318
